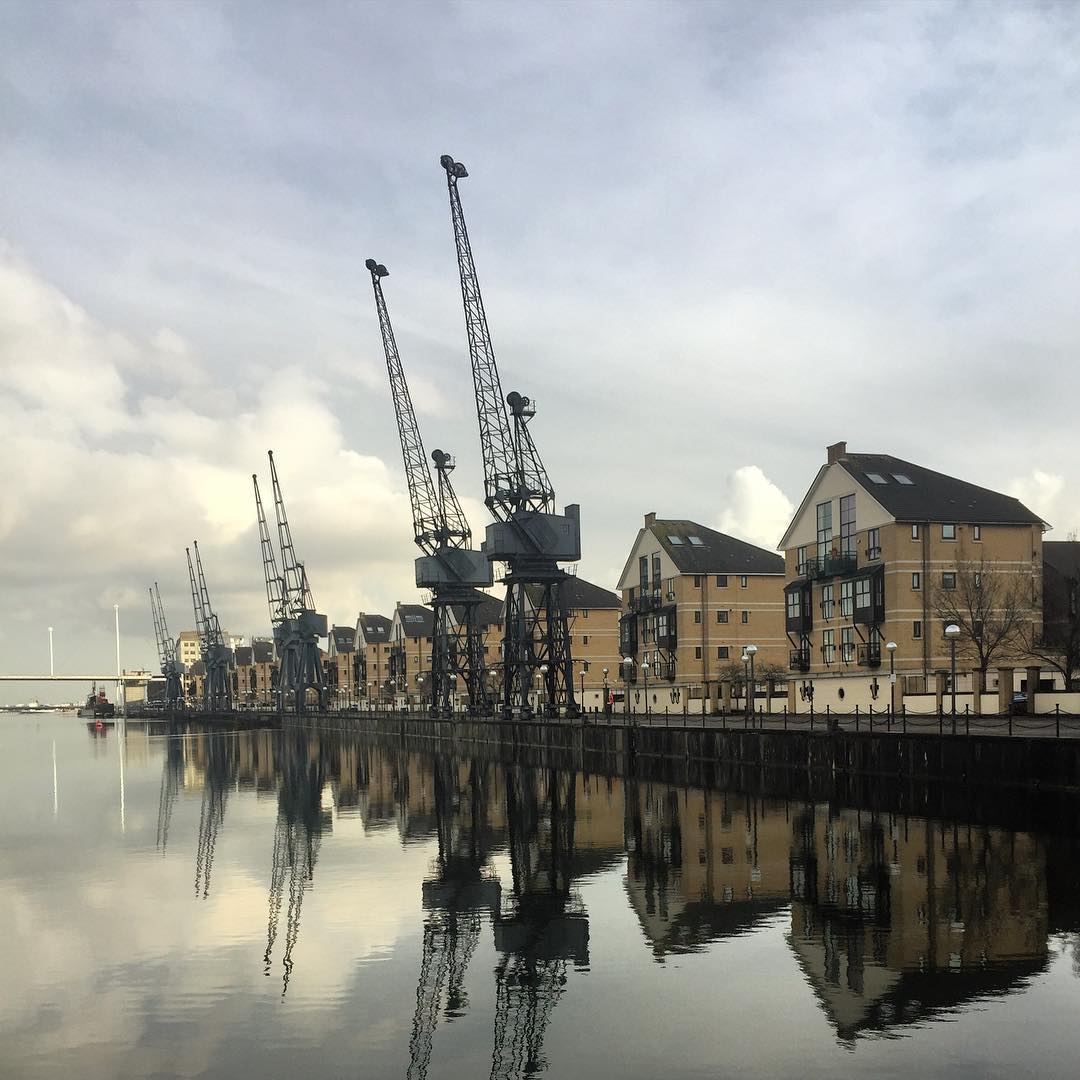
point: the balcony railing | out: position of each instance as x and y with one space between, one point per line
832 565
870 654
649 602
800 660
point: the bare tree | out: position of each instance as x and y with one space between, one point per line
994 609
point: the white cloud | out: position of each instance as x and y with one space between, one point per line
755 509
1048 496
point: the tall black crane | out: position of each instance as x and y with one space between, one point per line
528 535
301 626
448 567
275 584
216 656
174 691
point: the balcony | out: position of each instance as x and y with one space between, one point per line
870 654
830 566
800 660
798 614
650 601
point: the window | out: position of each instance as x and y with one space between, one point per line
585 666
826 602
745 616
824 528
828 647
948 580
862 593
948 532
697 616
697 581
847 524
584 613
695 541
876 478
847 596
584 639
916 581
978 579
697 652
721 616
721 581
743 581
976 533
847 644
916 629
794 604
914 532
656 569
873 544
900 478
722 652
675 540
643 575
800 561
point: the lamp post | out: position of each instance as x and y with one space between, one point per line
420 694
543 679
645 673
627 670
491 689
605 691
952 632
751 651
581 696
890 648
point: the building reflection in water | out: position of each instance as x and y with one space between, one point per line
892 920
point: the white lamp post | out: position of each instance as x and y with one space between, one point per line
952 632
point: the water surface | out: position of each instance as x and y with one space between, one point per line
279 903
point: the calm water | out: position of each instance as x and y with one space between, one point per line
267 904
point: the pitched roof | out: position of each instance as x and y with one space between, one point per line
416 620
243 656
262 651
344 638
375 628
489 612
933 496
695 549
579 593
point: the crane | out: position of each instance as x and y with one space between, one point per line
215 654
297 626
527 535
449 567
174 691
275 584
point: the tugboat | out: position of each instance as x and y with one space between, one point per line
98 706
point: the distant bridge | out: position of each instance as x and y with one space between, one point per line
111 677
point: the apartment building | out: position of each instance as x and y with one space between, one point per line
873 546
411 630
694 598
342 669
255 676
594 614
373 656
187 649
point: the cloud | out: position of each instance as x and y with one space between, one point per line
1048 495
755 509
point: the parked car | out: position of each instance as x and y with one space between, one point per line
1019 705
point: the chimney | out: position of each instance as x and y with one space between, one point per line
835 452
650 518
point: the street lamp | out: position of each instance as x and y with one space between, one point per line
491 689
890 648
543 674
627 670
751 651
952 632
605 691
581 697
645 673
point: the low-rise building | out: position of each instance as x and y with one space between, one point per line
373 657
694 599
342 669
411 630
879 551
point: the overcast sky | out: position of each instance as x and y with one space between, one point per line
711 239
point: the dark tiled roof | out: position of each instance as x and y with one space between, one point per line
376 628
263 651
579 593
416 620
243 655
490 609
1062 556
717 553
933 496
344 638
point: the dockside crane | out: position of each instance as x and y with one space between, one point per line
449 567
166 646
528 535
215 654
300 626
275 585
